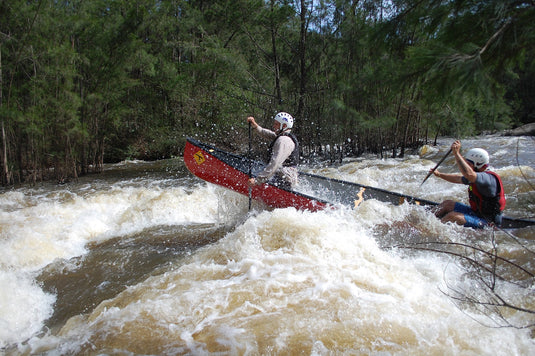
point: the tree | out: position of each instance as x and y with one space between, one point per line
83 83
469 48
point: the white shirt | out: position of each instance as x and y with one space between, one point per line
282 149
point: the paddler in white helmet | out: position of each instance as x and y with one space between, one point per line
485 190
281 169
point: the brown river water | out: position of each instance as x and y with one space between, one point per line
146 259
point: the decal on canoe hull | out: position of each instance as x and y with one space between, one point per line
199 157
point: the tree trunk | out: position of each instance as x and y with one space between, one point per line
302 61
278 91
6 179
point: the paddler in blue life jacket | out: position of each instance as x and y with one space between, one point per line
485 191
281 169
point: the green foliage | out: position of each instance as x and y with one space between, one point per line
84 82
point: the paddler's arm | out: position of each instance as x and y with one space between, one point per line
450 177
466 171
252 121
265 133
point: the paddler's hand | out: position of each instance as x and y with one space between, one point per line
456 147
435 172
252 121
251 182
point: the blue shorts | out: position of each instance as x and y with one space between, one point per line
472 219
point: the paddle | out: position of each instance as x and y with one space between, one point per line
438 164
250 163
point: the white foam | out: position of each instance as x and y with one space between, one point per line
35 235
285 280
34 232
23 307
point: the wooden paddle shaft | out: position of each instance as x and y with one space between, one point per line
438 164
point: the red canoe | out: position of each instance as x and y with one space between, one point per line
232 171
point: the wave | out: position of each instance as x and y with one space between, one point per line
286 281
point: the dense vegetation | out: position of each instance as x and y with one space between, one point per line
88 82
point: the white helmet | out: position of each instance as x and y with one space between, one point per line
285 119
478 156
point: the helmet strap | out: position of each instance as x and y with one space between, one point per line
282 130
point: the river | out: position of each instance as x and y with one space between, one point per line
146 259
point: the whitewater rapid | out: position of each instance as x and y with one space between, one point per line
225 280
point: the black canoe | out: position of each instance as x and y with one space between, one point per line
232 171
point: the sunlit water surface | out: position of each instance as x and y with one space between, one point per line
147 259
